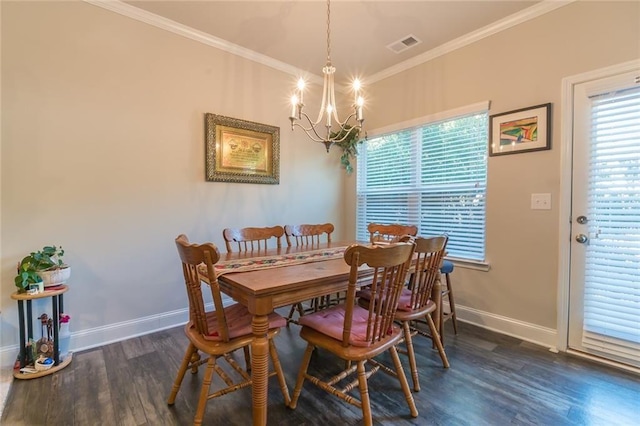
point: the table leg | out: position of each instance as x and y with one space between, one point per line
260 368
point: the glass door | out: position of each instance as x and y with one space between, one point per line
604 307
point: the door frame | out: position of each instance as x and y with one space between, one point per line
566 155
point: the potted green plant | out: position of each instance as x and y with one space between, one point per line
349 146
43 266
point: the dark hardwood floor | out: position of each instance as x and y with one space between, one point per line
493 380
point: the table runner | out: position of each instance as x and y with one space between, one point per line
266 262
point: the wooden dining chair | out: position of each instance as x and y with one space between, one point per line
415 302
218 333
252 239
356 334
308 235
389 233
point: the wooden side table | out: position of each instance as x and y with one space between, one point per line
56 295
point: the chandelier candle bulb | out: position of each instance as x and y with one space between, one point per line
300 89
356 89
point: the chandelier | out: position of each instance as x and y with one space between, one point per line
334 131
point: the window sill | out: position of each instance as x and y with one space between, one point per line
469 264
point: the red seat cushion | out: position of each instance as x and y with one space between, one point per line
238 322
404 303
331 322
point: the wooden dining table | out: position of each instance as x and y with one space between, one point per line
267 288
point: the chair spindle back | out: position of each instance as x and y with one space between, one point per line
252 239
193 257
390 264
306 234
390 233
429 254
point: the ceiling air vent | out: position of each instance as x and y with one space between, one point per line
404 43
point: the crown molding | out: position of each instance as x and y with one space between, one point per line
133 12
167 24
510 21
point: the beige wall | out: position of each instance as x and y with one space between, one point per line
103 153
520 67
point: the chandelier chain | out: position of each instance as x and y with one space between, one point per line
328 128
328 32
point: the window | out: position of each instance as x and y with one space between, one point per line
432 173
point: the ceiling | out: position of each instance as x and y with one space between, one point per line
295 32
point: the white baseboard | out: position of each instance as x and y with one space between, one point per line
91 338
533 333
610 363
99 336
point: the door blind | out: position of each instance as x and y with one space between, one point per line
612 272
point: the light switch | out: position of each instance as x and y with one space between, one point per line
540 201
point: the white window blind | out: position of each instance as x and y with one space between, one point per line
432 175
612 274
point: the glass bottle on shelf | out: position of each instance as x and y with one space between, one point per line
64 336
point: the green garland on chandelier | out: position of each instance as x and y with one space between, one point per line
349 147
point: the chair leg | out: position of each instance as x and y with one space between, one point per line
365 402
440 324
452 305
436 296
411 354
181 372
278 368
204 392
403 381
247 358
295 307
290 316
303 370
437 342
319 303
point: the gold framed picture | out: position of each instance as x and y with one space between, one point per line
241 151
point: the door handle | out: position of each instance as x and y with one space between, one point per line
581 238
